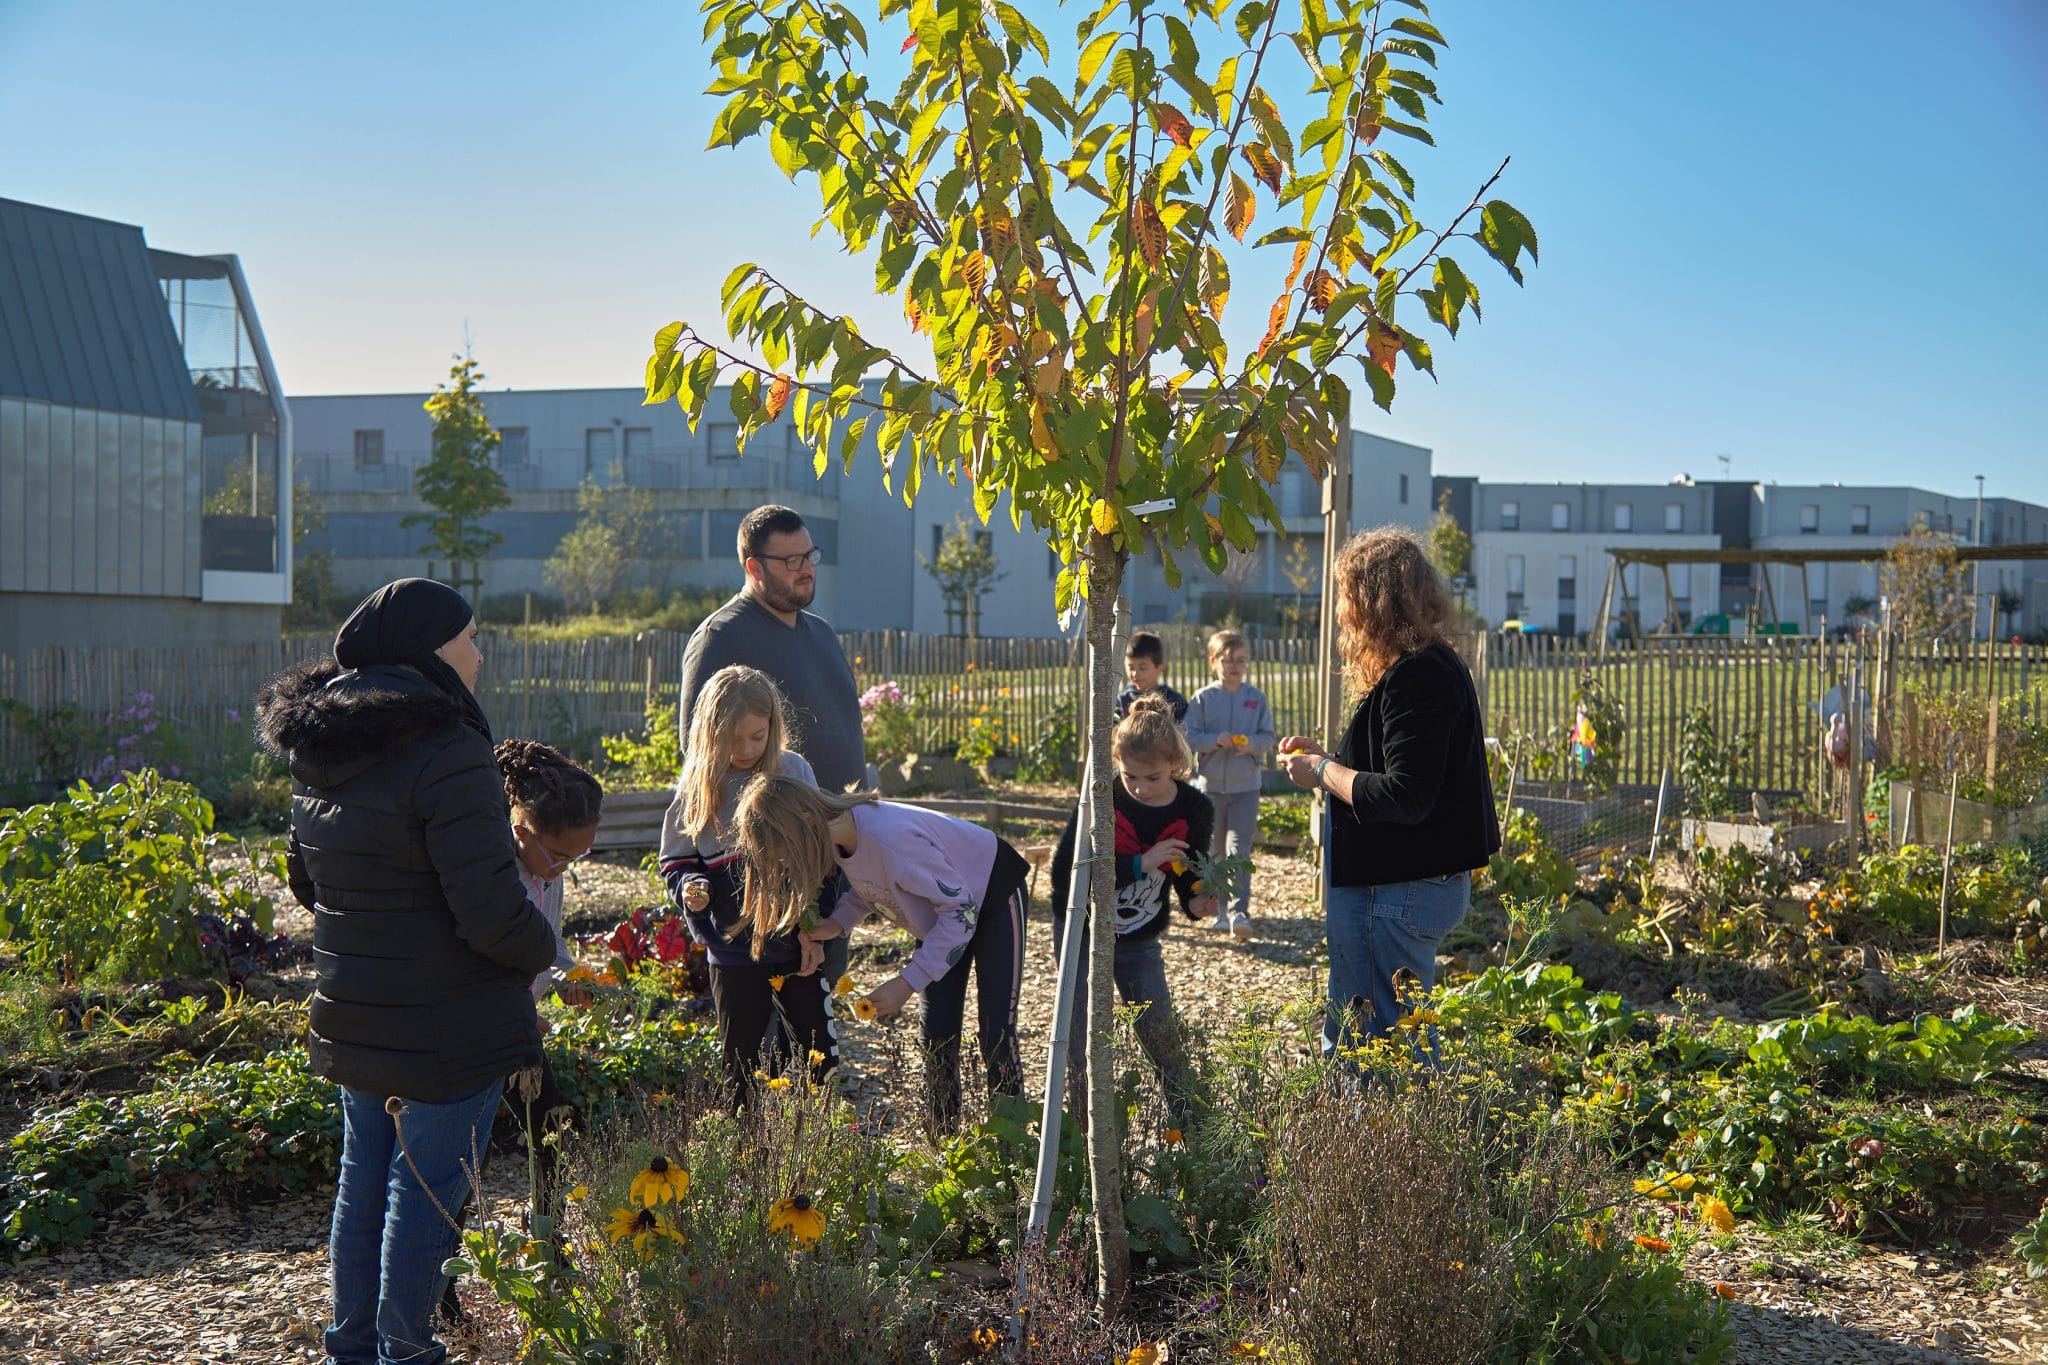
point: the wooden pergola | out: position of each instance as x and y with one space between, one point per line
1662 558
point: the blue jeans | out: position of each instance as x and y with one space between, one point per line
389 1239
1375 933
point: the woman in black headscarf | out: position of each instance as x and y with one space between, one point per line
424 940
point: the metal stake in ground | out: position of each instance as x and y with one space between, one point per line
1071 979
1948 857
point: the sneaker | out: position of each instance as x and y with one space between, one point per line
1221 924
1241 928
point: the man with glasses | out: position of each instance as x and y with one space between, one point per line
765 626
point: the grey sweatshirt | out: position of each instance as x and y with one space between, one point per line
806 663
1215 713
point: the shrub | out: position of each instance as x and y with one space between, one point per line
651 761
889 722
1709 771
1527 867
109 882
1055 752
268 1124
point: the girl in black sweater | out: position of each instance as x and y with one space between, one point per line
1159 818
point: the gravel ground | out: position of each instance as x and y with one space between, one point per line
221 1282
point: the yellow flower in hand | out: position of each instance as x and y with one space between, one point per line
865 1011
843 987
798 1217
775 982
659 1183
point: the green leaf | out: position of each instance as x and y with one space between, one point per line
1249 18
1408 47
1020 30
1505 234
1419 28
1381 382
1420 134
1092 58
665 339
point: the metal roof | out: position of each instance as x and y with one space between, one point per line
82 317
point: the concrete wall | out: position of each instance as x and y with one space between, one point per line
49 620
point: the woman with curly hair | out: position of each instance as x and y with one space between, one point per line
1412 809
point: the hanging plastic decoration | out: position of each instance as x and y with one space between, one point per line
1585 742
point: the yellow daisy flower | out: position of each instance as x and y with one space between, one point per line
843 987
1716 1214
865 1011
816 1057
779 1083
580 1192
659 1183
642 1225
798 1217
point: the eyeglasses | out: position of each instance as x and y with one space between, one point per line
555 859
795 563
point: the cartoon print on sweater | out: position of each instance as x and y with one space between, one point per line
882 901
1140 900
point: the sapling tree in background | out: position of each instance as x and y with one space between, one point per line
459 481
1062 236
966 571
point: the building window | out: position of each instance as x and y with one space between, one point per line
1511 516
513 451
1560 516
1404 490
1674 516
1624 517
600 449
639 443
1517 567
1817 591
722 441
1681 592
1809 519
1567 578
369 449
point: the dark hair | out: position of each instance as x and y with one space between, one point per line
763 522
543 782
1145 645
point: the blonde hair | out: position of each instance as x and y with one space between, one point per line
783 829
1391 601
731 696
1149 731
1222 642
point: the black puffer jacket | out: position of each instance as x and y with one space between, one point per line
423 939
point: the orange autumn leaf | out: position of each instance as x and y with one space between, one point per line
778 395
1322 289
1276 321
1383 344
975 271
1264 165
1238 206
1150 233
1301 250
1041 434
1173 123
913 315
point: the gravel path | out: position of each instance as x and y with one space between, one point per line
220 1283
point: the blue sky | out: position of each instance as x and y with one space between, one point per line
1808 236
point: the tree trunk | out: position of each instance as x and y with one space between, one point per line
1105 1119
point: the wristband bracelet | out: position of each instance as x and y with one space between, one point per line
1321 764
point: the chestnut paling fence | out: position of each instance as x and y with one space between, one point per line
572 692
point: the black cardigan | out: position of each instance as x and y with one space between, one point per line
424 942
1421 802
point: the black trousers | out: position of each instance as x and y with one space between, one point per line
996 957
747 1001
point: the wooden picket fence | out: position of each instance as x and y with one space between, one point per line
572 692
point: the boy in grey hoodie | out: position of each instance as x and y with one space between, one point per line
1230 728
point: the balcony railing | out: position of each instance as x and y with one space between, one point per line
341 472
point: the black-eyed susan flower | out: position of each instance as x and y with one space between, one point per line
1146 1353
643 1225
1596 1234
659 1183
799 1217
865 1011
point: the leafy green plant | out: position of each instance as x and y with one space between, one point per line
1527 866
1284 816
2030 1244
110 881
980 742
1054 754
649 761
1710 771
266 1124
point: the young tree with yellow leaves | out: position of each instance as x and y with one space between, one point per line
1064 238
